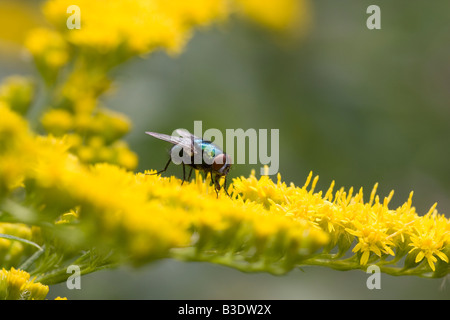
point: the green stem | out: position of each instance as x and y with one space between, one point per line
11 237
325 260
87 263
60 275
234 261
30 260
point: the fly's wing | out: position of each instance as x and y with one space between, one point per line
186 134
183 141
194 141
199 144
206 148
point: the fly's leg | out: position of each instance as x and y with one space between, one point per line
184 174
217 185
212 179
225 186
214 182
190 173
163 170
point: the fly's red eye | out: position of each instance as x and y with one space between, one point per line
229 161
219 162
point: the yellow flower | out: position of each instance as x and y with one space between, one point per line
428 247
139 26
16 149
68 217
371 238
16 285
57 121
429 237
49 51
111 125
13 128
48 47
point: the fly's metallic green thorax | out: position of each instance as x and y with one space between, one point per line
209 149
212 159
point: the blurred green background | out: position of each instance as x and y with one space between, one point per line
353 105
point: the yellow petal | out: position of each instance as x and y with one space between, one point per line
431 263
419 256
442 256
365 257
376 250
357 247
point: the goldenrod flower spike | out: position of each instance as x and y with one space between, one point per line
378 230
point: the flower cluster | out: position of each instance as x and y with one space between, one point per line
72 105
16 285
382 235
134 27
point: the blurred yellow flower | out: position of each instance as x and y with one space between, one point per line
136 25
288 16
57 121
48 47
17 92
16 148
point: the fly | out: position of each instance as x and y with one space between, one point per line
190 149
